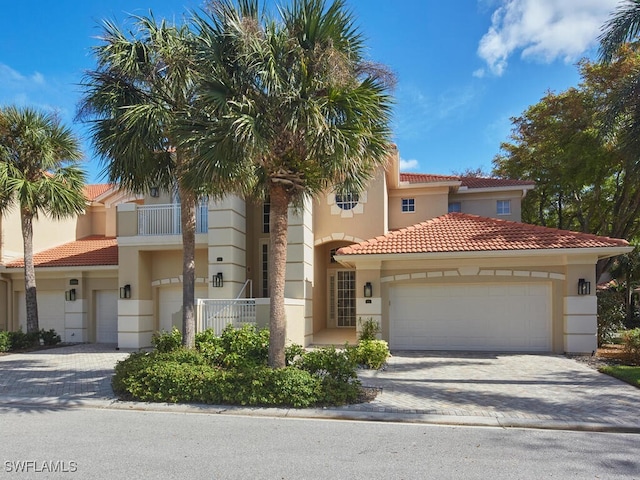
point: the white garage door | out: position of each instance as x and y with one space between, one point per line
50 311
107 316
170 306
489 317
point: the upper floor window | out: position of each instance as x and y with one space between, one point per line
455 207
408 205
266 211
347 201
503 207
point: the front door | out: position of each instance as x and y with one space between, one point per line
346 298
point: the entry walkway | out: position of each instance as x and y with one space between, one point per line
544 391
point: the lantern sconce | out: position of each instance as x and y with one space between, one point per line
584 287
217 280
70 295
125 292
154 192
368 290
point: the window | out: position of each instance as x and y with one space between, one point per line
346 201
408 205
503 207
266 211
264 261
455 207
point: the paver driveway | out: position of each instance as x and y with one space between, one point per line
504 386
520 386
75 372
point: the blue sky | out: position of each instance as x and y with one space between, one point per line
463 67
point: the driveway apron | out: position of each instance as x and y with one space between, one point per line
519 386
80 371
504 389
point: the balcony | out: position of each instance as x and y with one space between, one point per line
165 219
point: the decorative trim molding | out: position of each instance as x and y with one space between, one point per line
467 272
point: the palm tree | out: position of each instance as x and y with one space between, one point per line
623 27
136 97
38 175
293 111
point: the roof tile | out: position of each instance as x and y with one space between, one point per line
460 232
89 251
93 191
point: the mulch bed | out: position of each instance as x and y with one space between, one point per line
605 355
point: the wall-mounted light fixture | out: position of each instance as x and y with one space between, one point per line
217 280
154 192
70 295
125 292
368 290
584 287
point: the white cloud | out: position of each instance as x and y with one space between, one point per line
543 30
408 164
9 76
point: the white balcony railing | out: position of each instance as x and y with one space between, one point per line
217 314
165 219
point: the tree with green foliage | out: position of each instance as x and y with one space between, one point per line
289 108
39 174
136 100
623 27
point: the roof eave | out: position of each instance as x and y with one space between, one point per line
599 252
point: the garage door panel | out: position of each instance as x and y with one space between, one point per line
50 311
495 317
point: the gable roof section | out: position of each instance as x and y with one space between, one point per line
460 232
487 182
427 178
86 252
468 182
93 191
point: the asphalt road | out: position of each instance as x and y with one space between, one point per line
106 444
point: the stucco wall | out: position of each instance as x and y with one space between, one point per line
484 204
429 203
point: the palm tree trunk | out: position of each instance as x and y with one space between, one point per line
188 223
29 272
278 228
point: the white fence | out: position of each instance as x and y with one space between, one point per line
165 219
217 314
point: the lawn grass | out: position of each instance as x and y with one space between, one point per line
626 373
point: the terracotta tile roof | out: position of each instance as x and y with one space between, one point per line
485 182
95 190
89 251
460 232
469 182
426 178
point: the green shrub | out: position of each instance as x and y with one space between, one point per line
337 373
369 329
244 347
210 346
293 352
611 314
185 376
167 341
5 341
49 337
631 344
370 353
20 340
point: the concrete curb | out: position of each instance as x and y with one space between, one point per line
326 414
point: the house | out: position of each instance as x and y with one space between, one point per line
441 262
